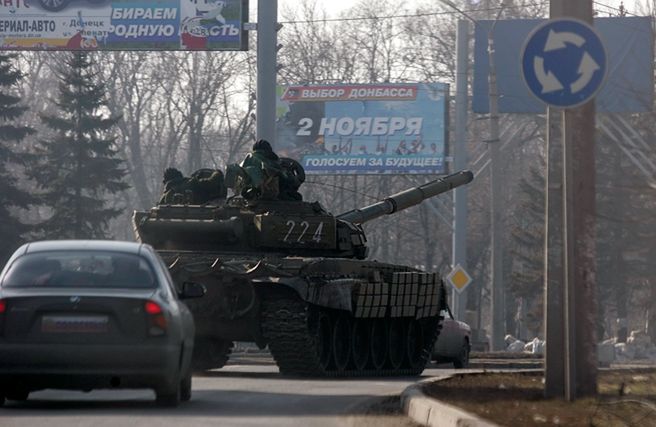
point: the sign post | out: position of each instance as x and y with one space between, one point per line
265 113
564 65
459 239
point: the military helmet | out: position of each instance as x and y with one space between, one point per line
171 174
262 145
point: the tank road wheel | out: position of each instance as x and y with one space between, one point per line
396 343
325 341
342 342
378 345
360 344
415 345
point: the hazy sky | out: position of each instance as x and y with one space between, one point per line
331 6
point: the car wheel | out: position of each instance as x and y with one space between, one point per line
169 397
20 395
2 399
462 360
185 388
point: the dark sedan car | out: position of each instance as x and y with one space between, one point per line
454 342
86 314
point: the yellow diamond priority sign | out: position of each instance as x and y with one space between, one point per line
458 278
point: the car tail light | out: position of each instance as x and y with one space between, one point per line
152 308
156 318
3 306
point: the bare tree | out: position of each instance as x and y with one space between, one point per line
132 90
314 50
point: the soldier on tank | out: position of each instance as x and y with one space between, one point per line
173 182
201 187
293 175
209 185
264 175
262 169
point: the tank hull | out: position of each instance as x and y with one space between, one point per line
352 317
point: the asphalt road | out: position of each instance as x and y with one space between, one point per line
244 393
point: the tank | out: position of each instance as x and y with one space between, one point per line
294 277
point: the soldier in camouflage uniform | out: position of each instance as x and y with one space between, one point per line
262 169
202 187
263 175
293 175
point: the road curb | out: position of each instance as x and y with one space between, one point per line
433 413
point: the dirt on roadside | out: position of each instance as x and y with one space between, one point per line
625 398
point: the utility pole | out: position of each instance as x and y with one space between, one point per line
265 109
460 161
578 341
496 205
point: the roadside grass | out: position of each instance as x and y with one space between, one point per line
625 398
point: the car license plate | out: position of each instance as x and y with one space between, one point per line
74 324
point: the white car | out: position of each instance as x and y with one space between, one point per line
454 342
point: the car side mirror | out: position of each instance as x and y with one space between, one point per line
191 290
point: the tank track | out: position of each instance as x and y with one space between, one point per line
292 329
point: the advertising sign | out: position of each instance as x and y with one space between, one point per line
364 129
123 24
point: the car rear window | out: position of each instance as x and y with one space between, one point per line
93 269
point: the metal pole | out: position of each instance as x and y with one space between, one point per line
460 161
267 20
498 310
569 261
554 366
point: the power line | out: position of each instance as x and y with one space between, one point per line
616 9
412 15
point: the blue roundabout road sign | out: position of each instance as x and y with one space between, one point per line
564 62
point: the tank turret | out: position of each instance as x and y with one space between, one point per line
288 274
285 227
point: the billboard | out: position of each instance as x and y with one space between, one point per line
123 24
364 129
629 83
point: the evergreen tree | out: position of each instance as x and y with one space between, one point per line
624 241
11 196
527 250
77 168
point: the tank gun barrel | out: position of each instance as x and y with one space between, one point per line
407 198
